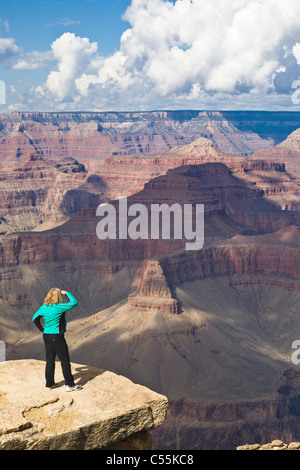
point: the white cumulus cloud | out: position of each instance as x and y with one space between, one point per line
8 49
222 44
73 55
34 60
199 51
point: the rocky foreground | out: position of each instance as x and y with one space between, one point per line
110 412
274 445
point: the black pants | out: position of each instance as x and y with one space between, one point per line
56 345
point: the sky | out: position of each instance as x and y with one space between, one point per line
144 55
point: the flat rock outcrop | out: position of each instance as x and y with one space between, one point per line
276 444
110 412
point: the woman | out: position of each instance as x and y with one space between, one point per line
53 312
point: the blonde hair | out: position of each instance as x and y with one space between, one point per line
53 297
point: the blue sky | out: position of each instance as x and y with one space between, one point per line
37 23
72 55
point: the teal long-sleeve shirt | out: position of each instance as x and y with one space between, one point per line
54 316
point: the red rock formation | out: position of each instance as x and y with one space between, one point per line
226 201
271 256
153 291
128 175
287 151
91 137
31 184
228 348
31 192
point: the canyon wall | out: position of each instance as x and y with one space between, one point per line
210 329
287 151
91 137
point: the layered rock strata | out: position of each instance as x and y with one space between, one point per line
287 151
267 175
36 194
153 291
277 444
231 208
32 191
238 296
93 136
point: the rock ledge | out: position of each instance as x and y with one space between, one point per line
110 412
274 445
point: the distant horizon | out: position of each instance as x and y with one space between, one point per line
275 125
109 111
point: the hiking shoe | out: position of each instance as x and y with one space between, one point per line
52 386
73 388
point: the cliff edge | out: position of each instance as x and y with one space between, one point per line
110 412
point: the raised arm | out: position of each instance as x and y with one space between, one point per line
73 302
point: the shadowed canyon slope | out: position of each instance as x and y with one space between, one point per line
37 194
211 329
